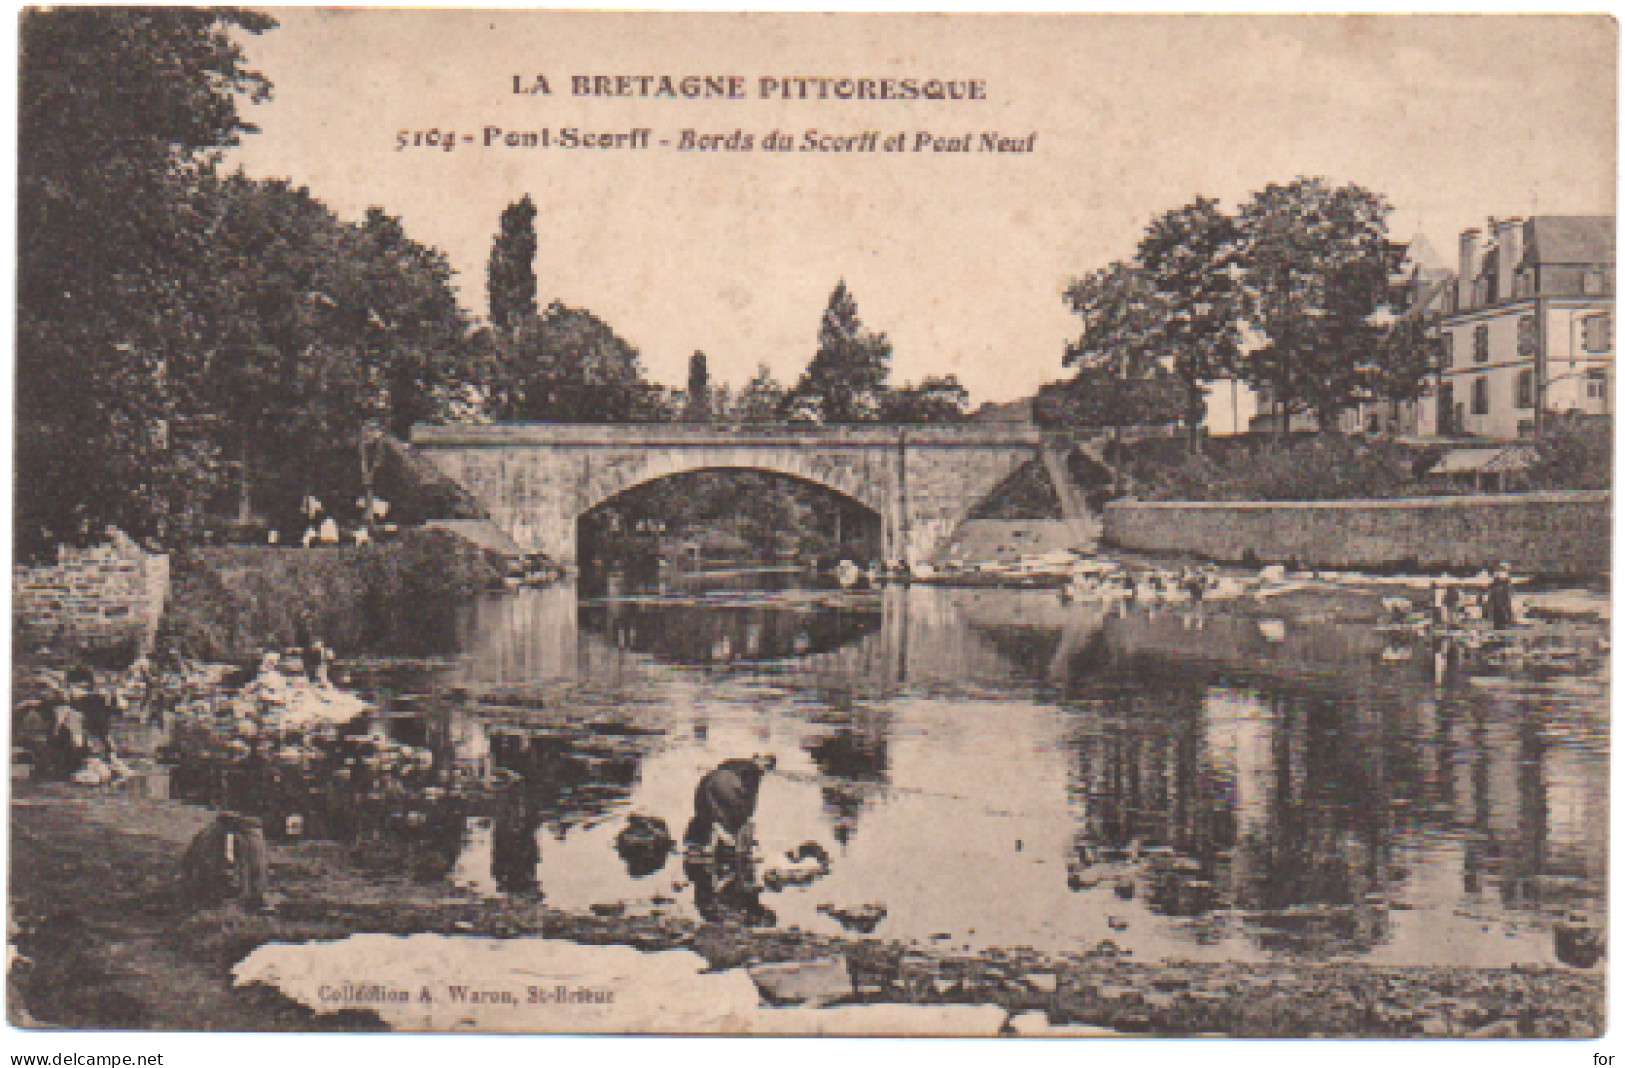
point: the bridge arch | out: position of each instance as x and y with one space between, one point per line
613 480
616 481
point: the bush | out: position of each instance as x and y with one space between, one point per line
1575 454
230 603
1318 468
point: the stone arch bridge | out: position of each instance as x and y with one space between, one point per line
537 479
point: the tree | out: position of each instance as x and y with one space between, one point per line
1187 256
568 366
843 382
934 400
697 407
761 399
333 333
121 112
1095 399
1314 270
1409 353
1121 380
510 277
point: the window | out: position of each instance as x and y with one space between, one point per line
1481 395
1594 283
1597 385
1447 409
1481 343
1526 337
1526 389
1599 333
1449 349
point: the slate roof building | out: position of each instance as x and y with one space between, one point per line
1528 328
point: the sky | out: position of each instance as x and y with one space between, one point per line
959 258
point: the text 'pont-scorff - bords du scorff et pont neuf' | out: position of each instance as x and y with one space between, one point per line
713 88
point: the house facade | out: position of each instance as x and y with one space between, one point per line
1527 328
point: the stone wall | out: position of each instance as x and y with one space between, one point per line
102 595
1558 534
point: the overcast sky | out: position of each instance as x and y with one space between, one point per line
959 258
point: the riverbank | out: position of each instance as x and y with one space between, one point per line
110 941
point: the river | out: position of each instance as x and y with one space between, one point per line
995 768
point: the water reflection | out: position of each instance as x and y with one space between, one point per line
995 768
691 633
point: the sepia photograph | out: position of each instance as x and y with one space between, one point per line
1046 526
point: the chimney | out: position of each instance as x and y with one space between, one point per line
1472 255
1509 236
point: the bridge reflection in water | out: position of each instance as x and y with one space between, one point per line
999 768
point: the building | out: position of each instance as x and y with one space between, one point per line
1527 329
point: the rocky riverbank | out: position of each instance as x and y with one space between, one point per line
107 938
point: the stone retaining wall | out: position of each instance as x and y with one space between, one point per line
101 595
1558 534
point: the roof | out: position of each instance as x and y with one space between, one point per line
1416 254
1570 239
1489 461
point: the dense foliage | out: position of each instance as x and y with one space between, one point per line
183 336
1316 467
1289 294
114 233
1575 454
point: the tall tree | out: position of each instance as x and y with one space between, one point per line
844 381
1314 270
510 277
697 407
121 110
1188 255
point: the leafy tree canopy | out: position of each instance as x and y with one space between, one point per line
934 400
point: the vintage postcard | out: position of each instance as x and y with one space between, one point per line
804 524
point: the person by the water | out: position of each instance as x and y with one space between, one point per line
96 711
1500 599
79 726
725 801
312 653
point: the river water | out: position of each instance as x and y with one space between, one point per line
994 768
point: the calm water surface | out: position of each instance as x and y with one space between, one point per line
995 768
